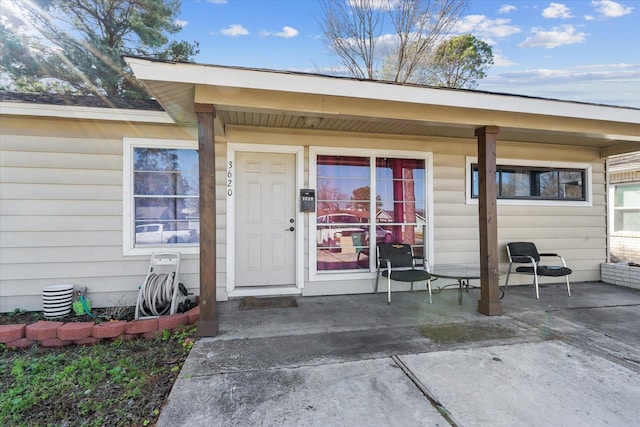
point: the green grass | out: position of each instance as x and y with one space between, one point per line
121 383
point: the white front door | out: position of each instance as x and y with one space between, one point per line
265 213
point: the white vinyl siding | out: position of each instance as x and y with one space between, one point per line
578 232
222 246
61 214
61 211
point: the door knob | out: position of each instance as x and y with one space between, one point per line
290 229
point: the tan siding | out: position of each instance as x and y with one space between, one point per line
61 239
61 211
84 145
54 207
577 232
92 254
62 223
122 290
455 224
61 176
221 219
507 220
45 190
452 198
55 160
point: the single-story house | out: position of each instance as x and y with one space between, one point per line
270 159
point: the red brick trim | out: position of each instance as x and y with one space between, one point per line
58 334
10 333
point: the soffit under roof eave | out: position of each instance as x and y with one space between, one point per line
619 148
177 99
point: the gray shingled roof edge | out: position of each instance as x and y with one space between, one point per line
80 101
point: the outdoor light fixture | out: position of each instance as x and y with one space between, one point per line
311 122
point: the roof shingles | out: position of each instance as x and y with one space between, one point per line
80 101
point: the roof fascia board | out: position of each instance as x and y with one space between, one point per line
85 113
321 85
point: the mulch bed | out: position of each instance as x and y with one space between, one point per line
98 315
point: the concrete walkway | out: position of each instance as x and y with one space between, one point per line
356 361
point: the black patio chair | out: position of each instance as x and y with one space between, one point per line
396 261
527 253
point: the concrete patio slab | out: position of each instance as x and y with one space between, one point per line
536 384
354 360
361 393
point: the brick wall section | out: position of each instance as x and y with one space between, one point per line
59 334
622 275
625 246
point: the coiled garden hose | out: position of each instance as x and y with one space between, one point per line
156 294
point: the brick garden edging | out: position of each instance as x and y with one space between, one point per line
55 334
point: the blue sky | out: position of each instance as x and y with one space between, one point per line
582 50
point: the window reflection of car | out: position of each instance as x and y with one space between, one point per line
155 233
383 235
332 227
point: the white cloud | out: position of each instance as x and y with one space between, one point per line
558 36
486 29
610 8
217 1
557 10
611 84
287 32
235 30
507 8
499 60
180 23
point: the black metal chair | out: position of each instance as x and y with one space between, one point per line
527 253
396 261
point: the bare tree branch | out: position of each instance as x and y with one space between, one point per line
351 29
355 31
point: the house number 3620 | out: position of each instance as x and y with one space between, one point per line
230 179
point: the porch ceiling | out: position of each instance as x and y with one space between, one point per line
286 108
404 127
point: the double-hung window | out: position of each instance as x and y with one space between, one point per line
364 200
161 196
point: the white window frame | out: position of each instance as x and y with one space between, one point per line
614 210
533 163
128 214
327 276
